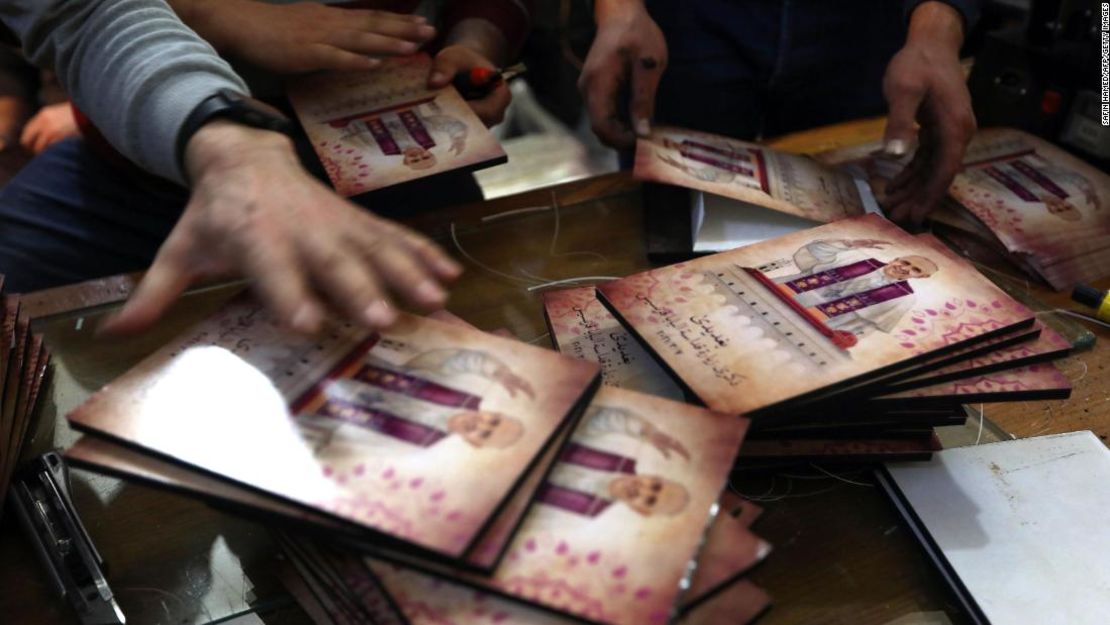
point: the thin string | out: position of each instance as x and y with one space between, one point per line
537 287
840 478
535 281
750 497
539 338
557 208
1081 375
515 211
1072 313
982 417
480 264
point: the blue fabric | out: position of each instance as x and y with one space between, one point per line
70 215
751 68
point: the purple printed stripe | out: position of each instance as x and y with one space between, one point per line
591 458
1040 179
1011 184
381 422
382 137
571 500
417 388
864 299
705 147
416 129
835 275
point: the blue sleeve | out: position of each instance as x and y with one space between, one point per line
968 8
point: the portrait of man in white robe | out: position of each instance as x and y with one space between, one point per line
588 480
410 130
856 292
427 399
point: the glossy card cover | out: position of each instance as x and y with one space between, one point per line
784 320
421 433
753 173
383 127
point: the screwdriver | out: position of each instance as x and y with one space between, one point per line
478 82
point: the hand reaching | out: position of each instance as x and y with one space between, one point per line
304 36
255 212
628 49
925 82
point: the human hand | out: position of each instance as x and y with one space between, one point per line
50 125
664 442
254 211
628 48
304 36
925 81
461 58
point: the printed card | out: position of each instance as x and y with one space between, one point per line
793 184
421 433
583 328
383 127
612 532
760 325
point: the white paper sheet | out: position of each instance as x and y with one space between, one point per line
1023 523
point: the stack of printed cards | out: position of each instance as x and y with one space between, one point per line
1020 198
848 341
422 437
438 454
24 362
337 586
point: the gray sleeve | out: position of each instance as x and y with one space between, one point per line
130 65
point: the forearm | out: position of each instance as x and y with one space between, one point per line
481 36
130 65
494 28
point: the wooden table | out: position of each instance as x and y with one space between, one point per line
841 555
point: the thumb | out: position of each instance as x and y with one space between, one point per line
901 125
444 68
645 82
163 283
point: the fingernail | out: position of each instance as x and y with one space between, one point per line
409 47
430 292
427 31
379 314
306 319
643 128
438 77
896 147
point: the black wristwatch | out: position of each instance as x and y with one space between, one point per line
227 104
